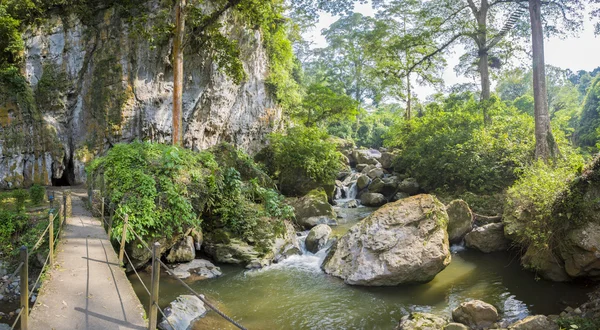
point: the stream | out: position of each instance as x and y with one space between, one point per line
296 294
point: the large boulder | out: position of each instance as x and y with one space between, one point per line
580 251
140 255
372 199
421 321
460 220
387 160
313 204
182 251
476 314
489 238
375 173
317 238
409 186
534 322
402 242
545 264
455 326
198 269
369 157
182 312
362 182
385 188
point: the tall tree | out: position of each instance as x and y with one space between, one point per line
545 145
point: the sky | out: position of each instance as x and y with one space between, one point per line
575 53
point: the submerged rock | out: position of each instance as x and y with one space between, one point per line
182 312
182 251
402 242
198 267
317 238
476 314
489 238
421 321
314 204
372 199
534 322
460 220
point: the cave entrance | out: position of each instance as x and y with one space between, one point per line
68 176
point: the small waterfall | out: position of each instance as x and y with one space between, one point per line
352 191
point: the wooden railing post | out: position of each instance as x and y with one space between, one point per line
24 282
51 239
123 238
153 308
102 211
111 214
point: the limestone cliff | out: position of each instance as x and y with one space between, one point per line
91 86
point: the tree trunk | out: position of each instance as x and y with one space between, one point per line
178 72
545 145
408 97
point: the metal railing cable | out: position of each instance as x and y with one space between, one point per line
164 316
169 271
17 318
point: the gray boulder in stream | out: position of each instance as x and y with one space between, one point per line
488 238
476 314
182 251
460 220
421 321
372 199
317 238
182 312
402 242
312 206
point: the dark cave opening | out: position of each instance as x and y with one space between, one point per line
68 176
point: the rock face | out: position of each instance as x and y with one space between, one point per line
94 89
402 242
581 251
545 264
235 251
476 314
421 321
310 208
372 199
489 238
535 322
317 238
182 312
182 251
460 220
199 268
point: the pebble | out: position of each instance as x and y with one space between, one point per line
33 298
577 311
569 309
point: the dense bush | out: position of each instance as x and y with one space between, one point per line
587 132
530 202
304 159
20 196
37 194
449 147
166 189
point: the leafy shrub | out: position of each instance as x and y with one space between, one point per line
166 189
20 196
578 323
37 194
530 202
12 223
586 133
304 158
450 148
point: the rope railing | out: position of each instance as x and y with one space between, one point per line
22 317
152 292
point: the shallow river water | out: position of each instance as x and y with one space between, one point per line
296 294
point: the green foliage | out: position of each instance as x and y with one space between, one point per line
578 323
534 196
587 135
11 43
322 105
166 189
37 194
20 195
305 152
449 147
13 223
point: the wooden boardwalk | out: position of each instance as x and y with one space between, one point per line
86 289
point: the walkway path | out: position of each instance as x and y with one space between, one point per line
86 289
